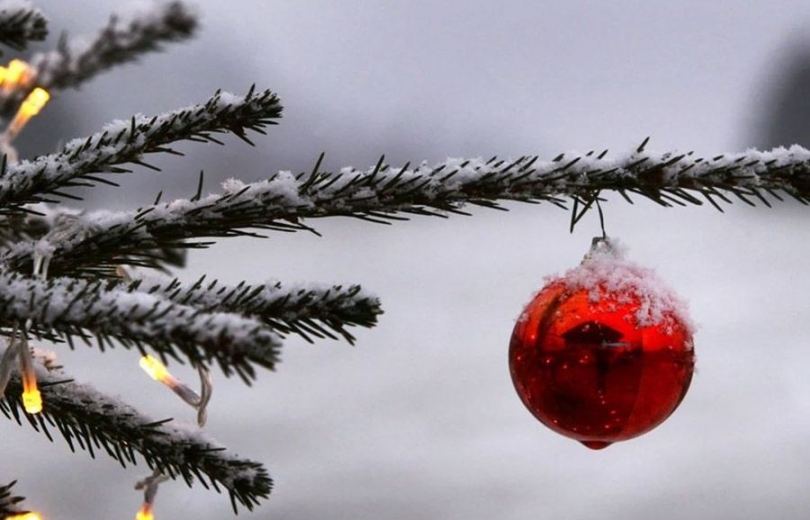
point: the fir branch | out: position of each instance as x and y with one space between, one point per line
308 310
94 422
15 227
103 240
380 193
74 62
77 61
64 308
8 502
40 220
124 142
20 24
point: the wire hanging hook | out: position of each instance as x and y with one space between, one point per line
587 202
601 216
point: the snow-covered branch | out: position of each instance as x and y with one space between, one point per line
20 23
68 308
666 178
92 421
42 219
20 226
102 240
310 310
124 142
119 42
78 60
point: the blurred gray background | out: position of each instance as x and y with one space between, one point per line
419 419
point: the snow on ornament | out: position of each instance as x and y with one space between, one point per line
604 353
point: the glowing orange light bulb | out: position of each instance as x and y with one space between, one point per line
156 369
144 513
31 515
30 107
32 399
17 72
159 372
34 102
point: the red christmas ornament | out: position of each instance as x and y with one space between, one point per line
603 354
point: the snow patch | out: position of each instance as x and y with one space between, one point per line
606 270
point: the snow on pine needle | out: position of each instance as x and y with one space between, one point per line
122 142
90 420
239 327
308 309
382 194
93 306
64 308
606 272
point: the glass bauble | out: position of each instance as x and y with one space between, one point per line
603 354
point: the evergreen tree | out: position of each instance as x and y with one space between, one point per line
101 277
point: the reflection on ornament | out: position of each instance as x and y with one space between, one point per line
603 354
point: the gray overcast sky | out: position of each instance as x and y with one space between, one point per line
420 419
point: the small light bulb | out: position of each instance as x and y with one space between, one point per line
159 372
31 515
30 107
34 102
145 513
155 369
17 72
32 399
